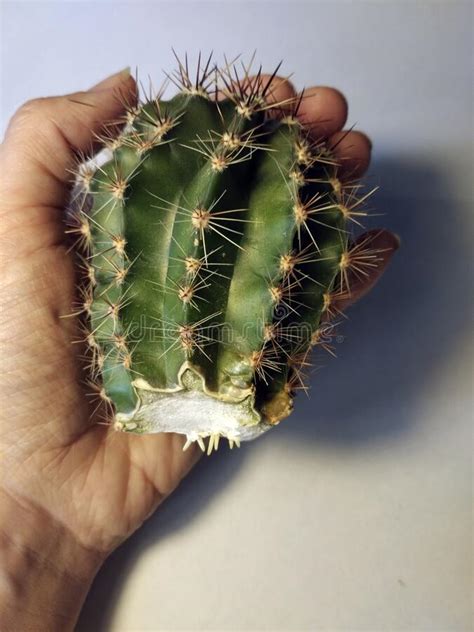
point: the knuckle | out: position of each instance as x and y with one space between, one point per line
32 107
26 115
33 119
35 112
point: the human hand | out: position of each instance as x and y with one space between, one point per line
71 490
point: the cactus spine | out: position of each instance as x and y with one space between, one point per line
214 237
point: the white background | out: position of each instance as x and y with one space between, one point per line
355 514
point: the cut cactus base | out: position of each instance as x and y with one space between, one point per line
190 411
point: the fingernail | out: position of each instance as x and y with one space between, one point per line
391 240
381 238
112 80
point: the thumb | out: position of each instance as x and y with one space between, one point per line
46 135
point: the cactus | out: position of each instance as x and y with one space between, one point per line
214 237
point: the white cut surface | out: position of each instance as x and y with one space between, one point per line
195 413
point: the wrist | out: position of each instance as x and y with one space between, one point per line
45 573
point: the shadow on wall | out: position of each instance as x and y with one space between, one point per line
394 339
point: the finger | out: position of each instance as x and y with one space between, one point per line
323 111
46 135
385 244
353 152
278 90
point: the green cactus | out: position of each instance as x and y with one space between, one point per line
215 235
